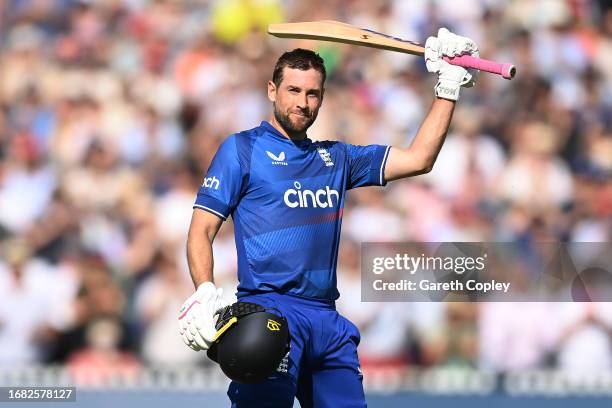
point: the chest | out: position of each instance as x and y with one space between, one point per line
291 177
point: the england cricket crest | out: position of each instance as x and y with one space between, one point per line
325 156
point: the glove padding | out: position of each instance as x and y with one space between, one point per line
450 77
197 316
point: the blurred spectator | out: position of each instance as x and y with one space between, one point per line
101 362
26 186
585 341
100 171
173 209
469 162
157 301
36 304
516 336
98 297
371 220
534 175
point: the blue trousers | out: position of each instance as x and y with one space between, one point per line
322 369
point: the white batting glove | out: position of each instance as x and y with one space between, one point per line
196 317
450 77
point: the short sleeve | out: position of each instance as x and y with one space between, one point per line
366 165
220 190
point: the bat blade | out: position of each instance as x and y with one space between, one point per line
335 31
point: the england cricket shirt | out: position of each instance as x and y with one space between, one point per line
286 200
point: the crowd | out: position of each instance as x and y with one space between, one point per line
110 112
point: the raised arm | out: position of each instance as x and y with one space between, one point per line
420 157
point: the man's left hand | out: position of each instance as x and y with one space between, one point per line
450 77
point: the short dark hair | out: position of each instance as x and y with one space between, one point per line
299 58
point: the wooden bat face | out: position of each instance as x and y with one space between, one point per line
336 31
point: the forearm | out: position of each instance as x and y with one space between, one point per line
200 258
419 158
432 133
196 324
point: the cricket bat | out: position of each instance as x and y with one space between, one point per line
335 31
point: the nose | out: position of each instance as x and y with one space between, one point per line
302 101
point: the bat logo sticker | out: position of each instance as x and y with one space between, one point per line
387 36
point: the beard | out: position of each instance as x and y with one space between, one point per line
293 127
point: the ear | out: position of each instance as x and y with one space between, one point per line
271 91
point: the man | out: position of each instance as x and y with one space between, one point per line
286 195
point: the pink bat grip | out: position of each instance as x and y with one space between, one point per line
467 61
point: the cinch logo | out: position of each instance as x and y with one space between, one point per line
296 197
211 182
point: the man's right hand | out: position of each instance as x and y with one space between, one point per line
196 317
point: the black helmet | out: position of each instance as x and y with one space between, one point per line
250 342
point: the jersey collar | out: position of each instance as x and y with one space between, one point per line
278 135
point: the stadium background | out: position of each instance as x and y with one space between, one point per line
110 112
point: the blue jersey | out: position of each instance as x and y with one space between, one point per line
286 200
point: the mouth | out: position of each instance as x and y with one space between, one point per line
300 114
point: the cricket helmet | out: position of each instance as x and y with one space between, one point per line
250 342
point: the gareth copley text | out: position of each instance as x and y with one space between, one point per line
471 285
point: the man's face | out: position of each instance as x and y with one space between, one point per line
297 99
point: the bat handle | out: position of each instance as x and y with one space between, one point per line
507 71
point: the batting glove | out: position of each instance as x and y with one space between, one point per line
196 317
450 77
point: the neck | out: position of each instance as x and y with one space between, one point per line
289 135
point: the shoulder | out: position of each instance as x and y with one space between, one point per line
248 134
241 142
239 146
245 139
